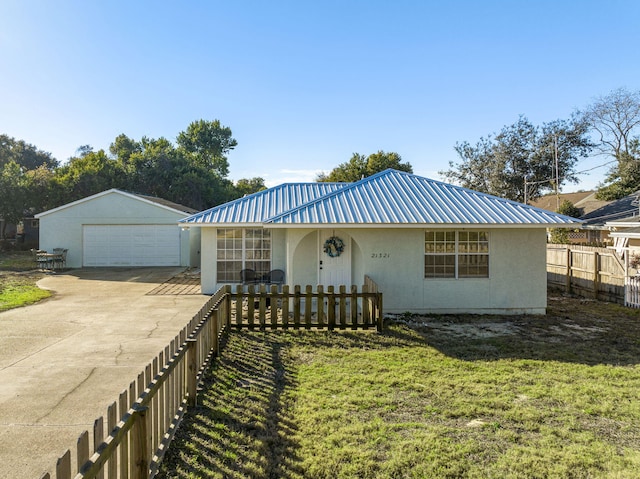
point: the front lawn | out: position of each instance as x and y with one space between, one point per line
435 397
18 281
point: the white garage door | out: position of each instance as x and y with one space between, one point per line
131 245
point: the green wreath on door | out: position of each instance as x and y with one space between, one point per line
334 246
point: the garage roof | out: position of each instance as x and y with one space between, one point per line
148 199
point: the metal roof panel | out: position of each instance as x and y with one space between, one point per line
387 198
394 197
258 207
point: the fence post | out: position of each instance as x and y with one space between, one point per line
308 300
98 437
296 306
320 305
215 332
596 274
366 320
354 307
285 306
192 370
568 273
273 306
331 307
380 315
63 466
82 449
343 306
139 453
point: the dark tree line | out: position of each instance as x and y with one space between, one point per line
193 172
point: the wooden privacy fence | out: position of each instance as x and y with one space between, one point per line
141 423
587 271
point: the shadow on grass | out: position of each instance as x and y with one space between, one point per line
574 330
242 425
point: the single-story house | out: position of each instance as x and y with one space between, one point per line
117 228
430 246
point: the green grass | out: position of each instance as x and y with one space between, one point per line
555 397
18 292
18 281
16 261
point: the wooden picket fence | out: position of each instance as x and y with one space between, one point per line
632 291
255 306
142 422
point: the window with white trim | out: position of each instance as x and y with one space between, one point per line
456 254
240 249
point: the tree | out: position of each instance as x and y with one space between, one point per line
44 192
561 235
88 174
249 186
624 178
361 166
569 209
614 118
25 155
522 153
207 143
13 197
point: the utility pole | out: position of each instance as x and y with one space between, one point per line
555 144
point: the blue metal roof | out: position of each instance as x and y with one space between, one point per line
387 198
258 207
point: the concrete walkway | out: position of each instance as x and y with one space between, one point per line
64 360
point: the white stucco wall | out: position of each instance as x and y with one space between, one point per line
394 258
63 228
517 280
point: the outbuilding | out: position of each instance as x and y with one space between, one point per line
117 228
430 246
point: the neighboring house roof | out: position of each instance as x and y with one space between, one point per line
611 211
147 199
596 214
551 202
387 198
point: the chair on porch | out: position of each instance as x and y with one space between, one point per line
275 276
248 276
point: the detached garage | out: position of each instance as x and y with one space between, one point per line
116 228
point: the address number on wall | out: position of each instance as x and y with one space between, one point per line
381 255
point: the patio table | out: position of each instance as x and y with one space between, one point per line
50 260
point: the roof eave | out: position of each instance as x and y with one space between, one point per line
425 225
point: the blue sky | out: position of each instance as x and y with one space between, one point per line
303 84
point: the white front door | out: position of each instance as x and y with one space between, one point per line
336 270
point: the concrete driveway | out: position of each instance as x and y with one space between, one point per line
64 360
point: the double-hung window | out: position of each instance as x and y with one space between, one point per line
240 249
456 254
